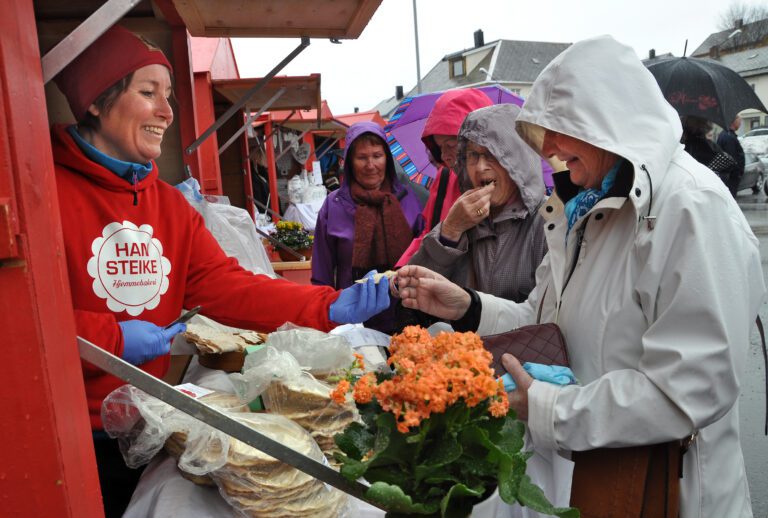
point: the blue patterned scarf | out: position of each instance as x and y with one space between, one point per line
579 205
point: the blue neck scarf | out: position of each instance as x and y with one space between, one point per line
122 169
579 205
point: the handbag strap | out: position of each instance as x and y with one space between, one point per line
765 359
541 305
442 187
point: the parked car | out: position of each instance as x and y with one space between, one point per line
755 141
755 173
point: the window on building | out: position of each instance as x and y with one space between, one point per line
458 67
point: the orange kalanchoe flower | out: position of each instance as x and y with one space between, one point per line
432 374
359 362
339 393
364 388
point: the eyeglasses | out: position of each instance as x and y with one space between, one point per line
473 157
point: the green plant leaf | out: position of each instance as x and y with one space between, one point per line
511 435
396 501
355 440
531 496
351 469
391 474
458 502
443 452
509 481
369 412
476 466
476 435
455 417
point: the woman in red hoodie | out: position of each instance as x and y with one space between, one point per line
137 252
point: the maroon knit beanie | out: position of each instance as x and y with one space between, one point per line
116 53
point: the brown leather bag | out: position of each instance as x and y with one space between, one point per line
537 343
634 482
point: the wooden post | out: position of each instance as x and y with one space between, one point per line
47 458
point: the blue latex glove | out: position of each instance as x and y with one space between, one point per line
360 301
144 341
555 374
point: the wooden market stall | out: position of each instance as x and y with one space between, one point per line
48 460
277 93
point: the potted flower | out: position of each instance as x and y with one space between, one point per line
438 436
293 235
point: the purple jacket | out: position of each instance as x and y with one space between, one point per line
335 229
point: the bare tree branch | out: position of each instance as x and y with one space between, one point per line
740 11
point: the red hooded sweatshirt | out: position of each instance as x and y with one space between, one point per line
446 118
149 260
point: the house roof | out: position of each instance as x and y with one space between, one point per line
523 61
660 57
387 106
507 62
439 79
746 63
750 35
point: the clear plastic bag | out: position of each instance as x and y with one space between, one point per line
233 229
252 482
282 373
319 353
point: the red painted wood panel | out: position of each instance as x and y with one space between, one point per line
47 464
184 91
210 168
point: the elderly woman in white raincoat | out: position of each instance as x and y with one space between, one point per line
653 274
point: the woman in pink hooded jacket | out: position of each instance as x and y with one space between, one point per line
440 138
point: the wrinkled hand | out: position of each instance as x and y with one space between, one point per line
468 210
144 341
360 301
430 292
518 398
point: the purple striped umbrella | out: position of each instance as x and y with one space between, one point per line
407 123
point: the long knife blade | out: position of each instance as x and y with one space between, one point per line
210 416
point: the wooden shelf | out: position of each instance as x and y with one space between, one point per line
281 266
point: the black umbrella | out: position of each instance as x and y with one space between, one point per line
704 88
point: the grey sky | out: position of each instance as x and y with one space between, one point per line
365 71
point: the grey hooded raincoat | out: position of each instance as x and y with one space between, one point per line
500 255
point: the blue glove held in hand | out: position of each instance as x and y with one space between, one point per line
360 301
144 341
555 374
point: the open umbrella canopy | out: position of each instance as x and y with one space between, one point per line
407 123
704 88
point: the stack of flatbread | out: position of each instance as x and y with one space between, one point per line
307 401
259 485
176 443
212 341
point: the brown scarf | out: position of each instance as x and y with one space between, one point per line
381 231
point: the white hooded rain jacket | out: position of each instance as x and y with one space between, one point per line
656 312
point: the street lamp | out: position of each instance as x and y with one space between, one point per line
416 36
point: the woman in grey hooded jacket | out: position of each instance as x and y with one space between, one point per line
493 238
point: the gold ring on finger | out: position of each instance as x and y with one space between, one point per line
480 211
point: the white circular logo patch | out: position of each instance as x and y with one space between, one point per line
128 268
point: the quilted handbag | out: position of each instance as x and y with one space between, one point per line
537 343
